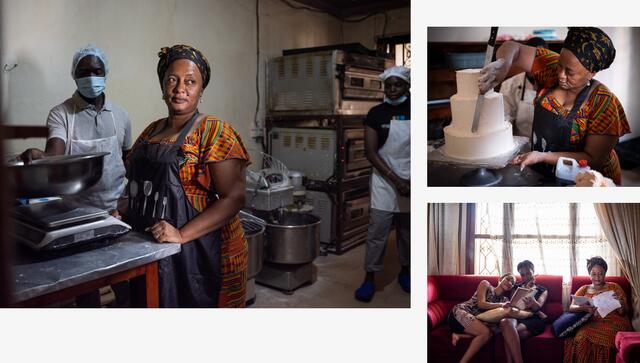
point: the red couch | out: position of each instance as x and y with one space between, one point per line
628 347
445 291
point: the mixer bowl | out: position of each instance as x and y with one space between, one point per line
55 175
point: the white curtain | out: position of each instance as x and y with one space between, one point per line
507 240
621 225
447 238
557 237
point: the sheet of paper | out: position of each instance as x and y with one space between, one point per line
606 303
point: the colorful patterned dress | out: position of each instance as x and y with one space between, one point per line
600 114
213 140
465 312
594 341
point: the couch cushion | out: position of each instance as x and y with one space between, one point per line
541 348
553 306
460 287
432 289
628 346
437 312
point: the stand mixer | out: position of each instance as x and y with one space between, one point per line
292 240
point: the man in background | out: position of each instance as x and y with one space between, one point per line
519 93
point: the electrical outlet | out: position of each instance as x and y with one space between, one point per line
256 132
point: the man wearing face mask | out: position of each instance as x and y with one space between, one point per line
89 122
388 148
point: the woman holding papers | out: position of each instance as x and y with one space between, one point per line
594 341
515 329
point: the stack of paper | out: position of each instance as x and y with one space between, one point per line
605 302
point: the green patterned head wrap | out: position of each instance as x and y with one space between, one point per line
593 48
180 51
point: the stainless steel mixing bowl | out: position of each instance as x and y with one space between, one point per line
56 175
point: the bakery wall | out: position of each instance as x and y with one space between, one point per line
41 36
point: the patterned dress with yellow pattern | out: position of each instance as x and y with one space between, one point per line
594 341
600 114
213 140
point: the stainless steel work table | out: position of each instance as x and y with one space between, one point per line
133 256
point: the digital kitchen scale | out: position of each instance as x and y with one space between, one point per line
55 225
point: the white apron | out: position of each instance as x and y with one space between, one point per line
396 153
524 115
109 188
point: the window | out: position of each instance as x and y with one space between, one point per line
557 237
398 48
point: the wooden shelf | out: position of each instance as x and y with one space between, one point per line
22 132
441 77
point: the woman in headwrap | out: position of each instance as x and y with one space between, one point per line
575 116
186 177
594 341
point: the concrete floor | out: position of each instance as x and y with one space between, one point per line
337 279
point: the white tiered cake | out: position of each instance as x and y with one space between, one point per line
494 136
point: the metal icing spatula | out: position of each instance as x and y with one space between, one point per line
487 59
482 176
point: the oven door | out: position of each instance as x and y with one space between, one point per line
362 84
356 214
354 158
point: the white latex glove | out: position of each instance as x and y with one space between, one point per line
489 76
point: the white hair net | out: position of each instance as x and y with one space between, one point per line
397 71
89 49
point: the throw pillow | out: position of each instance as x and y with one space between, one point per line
568 323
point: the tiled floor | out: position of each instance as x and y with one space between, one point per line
338 277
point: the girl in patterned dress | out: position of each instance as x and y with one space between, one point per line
462 318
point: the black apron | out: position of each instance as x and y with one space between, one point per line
552 132
193 277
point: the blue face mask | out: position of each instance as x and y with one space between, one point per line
90 87
395 102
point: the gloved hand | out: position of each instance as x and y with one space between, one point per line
31 154
491 75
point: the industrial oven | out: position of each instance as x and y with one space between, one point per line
317 101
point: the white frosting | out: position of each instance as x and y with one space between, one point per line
467 82
494 135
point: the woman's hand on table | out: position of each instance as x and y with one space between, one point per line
530 158
163 231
